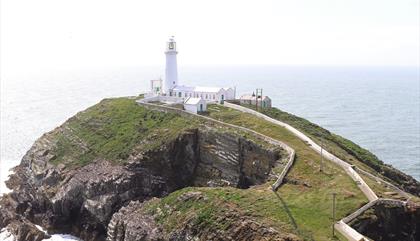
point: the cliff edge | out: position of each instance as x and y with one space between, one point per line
119 171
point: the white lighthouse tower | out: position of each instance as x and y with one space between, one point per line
171 71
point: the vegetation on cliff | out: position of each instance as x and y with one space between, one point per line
111 129
308 192
196 173
345 149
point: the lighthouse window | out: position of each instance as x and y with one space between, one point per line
171 46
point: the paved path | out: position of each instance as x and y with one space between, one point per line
347 167
341 225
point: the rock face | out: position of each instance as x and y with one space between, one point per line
387 222
81 201
133 223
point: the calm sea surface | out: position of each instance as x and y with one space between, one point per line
378 108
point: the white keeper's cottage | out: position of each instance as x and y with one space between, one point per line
170 88
195 105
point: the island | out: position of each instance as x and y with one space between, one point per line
125 170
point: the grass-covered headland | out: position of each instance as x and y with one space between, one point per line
113 128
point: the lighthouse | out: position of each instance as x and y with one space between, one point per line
171 70
171 91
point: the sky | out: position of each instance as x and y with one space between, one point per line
84 34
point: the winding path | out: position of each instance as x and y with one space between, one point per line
347 167
341 225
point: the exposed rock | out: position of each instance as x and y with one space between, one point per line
404 181
133 223
297 182
387 222
81 201
192 196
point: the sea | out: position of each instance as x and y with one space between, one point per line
376 107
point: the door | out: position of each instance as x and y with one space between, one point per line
222 100
201 107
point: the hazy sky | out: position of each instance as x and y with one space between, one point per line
56 34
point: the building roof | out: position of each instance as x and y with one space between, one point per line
192 101
198 89
250 97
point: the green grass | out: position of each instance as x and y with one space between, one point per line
112 129
115 128
309 206
212 211
340 147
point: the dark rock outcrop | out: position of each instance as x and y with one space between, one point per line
82 200
389 222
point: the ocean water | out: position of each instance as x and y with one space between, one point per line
376 107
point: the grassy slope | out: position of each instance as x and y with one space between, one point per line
338 145
173 212
310 206
112 129
342 148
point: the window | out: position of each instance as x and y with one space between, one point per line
179 94
185 95
214 97
207 96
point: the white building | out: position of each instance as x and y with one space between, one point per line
195 105
210 94
171 87
264 102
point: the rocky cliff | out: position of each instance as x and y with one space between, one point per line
119 172
81 199
388 222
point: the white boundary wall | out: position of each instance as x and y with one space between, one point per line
341 225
